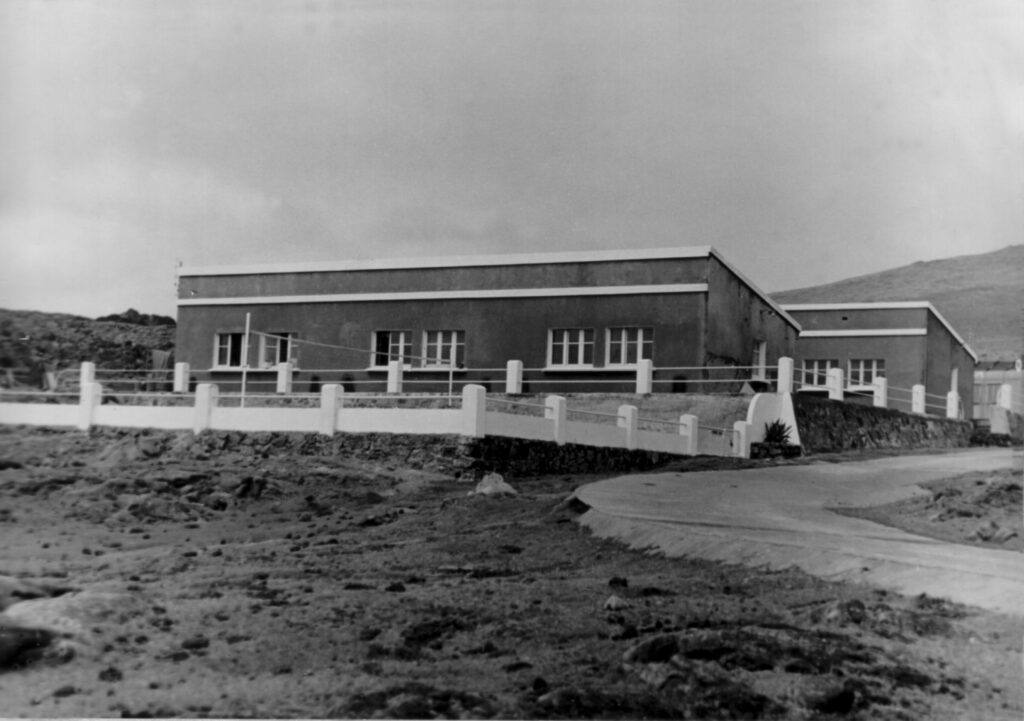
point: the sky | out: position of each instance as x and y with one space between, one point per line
807 141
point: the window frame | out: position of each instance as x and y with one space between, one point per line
274 340
585 337
234 338
805 372
875 371
406 353
445 338
641 343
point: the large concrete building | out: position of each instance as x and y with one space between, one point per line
908 343
578 321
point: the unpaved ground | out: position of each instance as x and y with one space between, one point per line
179 581
981 509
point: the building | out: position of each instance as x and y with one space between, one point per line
577 321
998 388
908 343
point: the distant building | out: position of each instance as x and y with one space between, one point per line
908 343
578 321
998 384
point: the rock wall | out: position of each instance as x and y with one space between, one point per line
830 426
451 454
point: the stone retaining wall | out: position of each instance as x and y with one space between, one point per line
830 426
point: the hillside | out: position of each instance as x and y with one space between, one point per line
982 296
57 340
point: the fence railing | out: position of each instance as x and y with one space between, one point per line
332 410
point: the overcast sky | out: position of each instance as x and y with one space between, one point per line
808 141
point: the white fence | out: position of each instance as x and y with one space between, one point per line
478 415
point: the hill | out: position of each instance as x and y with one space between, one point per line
982 296
30 340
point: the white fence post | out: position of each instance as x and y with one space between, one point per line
181 371
90 395
514 377
206 401
741 436
688 427
880 388
628 420
474 411
396 369
331 399
784 384
952 405
644 377
917 399
87 374
1004 396
834 383
284 377
555 410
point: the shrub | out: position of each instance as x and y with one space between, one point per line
777 432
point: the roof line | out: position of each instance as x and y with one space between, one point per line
887 305
455 261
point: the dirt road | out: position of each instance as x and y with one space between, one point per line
780 517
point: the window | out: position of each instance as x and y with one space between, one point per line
815 371
277 347
626 346
389 345
759 360
440 347
864 371
229 350
571 347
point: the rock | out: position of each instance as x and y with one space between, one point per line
21 646
72 614
196 643
615 603
562 700
493 484
13 590
111 674
618 582
659 649
985 531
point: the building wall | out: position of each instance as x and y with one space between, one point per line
945 353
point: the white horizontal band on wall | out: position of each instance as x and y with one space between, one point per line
877 332
485 293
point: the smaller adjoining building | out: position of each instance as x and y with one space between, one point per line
998 391
907 343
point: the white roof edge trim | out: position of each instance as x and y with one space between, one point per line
863 333
780 309
891 305
464 261
485 293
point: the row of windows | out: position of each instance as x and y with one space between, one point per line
567 348
859 371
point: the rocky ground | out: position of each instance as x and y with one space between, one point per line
982 509
157 574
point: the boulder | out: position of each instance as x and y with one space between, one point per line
493 484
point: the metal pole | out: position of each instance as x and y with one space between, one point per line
245 357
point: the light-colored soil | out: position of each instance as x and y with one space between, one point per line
980 509
251 583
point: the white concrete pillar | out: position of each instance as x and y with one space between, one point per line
90 395
741 437
474 411
834 383
785 381
880 389
688 428
396 369
644 376
284 377
555 410
332 397
952 405
628 421
514 377
917 399
181 371
87 373
206 401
